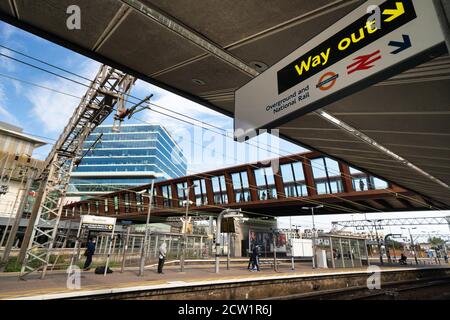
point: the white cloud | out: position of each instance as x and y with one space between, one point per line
176 103
6 31
4 113
52 109
5 62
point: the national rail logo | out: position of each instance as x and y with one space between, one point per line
327 81
364 62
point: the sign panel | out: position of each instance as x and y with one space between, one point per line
366 46
300 248
98 223
228 225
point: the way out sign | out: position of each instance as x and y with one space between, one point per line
374 42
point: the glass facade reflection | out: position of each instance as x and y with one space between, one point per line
167 195
219 190
265 183
132 157
361 181
241 186
200 192
327 176
182 193
294 180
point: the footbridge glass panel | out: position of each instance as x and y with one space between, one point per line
362 181
219 190
167 195
293 180
182 193
265 182
241 186
327 176
201 198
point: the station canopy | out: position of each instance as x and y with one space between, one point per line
206 50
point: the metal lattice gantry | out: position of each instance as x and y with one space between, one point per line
444 236
107 91
420 221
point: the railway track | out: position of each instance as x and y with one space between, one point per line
429 289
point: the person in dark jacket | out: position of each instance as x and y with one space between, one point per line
255 257
250 260
90 250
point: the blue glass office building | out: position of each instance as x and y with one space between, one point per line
132 157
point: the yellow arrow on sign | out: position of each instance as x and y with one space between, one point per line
394 13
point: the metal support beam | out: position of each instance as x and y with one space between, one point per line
107 91
18 217
190 35
443 10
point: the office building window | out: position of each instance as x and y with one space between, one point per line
106 206
293 180
327 176
219 190
265 183
201 198
241 186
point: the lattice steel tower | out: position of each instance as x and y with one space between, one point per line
108 91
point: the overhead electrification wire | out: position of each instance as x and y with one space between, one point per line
39 86
77 82
136 98
44 62
44 70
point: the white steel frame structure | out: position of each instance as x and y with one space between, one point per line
108 91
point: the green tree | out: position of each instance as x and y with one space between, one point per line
436 241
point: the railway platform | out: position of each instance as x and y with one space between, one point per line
201 282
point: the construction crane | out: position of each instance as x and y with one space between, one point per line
108 91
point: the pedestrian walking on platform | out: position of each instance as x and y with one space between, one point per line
162 257
255 258
250 260
90 250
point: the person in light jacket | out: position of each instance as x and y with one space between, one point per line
162 257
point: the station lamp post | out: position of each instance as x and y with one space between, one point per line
313 232
412 242
184 243
147 225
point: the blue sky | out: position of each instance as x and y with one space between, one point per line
44 113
